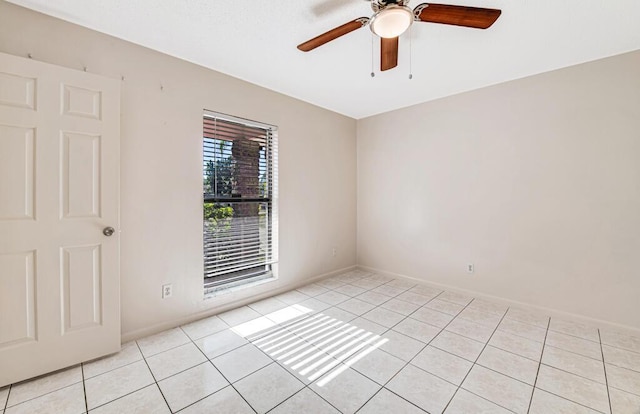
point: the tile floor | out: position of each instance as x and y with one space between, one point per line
357 342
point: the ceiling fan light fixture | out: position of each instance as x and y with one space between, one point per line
391 21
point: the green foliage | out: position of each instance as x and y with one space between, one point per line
214 212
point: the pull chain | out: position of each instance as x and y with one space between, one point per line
372 49
410 51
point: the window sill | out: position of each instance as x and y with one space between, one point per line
240 285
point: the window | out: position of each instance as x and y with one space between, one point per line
239 177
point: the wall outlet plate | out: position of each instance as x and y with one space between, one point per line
470 268
167 291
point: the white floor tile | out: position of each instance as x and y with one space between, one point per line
425 390
432 317
499 389
268 387
220 343
620 340
241 362
400 306
575 345
522 329
374 298
388 290
69 400
401 284
331 283
225 401
336 343
487 306
367 325
267 305
162 341
332 297
572 387
339 314
414 298
312 290
622 379
546 403
509 364
442 364
423 290
517 345
350 290
189 386
385 402
383 317
541 321
465 402
204 327
309 364
444 306
480 333
175 360
128 354
4 393
367 283
624 402
117 383
314 305
146 400
239 315
305 401
378 278
575 329
376 365
348 391
480 317
421 331
356 306
574 363
621 357
289 315
292 297
459 345
45 384
401 346
454 297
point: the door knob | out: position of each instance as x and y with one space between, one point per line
108 231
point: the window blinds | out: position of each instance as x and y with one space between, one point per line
239 185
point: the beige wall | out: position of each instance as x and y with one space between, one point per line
535 181
161 167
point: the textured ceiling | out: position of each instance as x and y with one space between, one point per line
256 41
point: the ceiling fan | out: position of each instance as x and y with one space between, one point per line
392 18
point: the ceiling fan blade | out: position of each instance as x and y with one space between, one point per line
456 15
388 53
333 34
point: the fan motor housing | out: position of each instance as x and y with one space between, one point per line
377 5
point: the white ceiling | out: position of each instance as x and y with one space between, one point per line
256 41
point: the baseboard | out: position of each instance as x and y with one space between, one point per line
509 302
163 326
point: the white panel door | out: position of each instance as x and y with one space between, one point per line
59 190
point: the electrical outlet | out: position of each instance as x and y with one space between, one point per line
470 268
334 252
167 291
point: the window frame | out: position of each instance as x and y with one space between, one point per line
214 285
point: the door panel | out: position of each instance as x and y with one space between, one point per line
80 166
59 187
16 172
81 292
17 91
17 311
